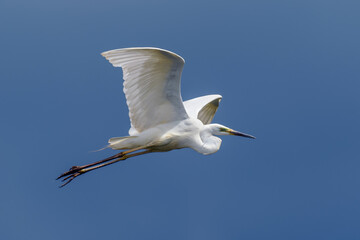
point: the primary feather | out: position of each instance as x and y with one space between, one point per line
151 85
203 108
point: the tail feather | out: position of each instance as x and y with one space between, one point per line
98 150
120 142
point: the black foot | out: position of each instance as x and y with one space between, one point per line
76 171
72 170
70 177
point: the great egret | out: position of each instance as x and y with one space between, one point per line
160 120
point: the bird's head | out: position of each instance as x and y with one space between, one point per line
218 129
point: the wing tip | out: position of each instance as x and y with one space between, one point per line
215 96
119 50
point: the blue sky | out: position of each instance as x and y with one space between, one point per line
288 72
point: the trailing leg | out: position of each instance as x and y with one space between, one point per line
79 170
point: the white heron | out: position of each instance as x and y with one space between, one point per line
160 120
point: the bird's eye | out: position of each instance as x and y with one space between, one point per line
223 129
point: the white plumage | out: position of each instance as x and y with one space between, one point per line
160 120
151 85
203 108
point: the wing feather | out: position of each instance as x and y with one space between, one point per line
203 108
151 85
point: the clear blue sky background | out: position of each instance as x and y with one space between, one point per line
288 72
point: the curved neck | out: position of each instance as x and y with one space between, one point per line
210 143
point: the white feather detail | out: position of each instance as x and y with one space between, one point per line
151 85
203 108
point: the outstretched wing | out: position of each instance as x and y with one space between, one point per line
203 108
151 85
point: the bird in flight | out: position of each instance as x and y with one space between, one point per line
160 120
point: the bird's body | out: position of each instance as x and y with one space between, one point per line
160 120
163 137
188 133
